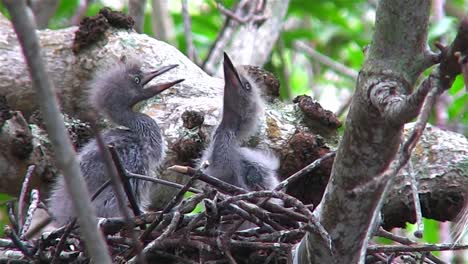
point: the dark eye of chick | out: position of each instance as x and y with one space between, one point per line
247 86
137 79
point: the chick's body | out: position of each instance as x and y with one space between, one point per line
248 168
139 144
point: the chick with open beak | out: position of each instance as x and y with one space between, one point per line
139 144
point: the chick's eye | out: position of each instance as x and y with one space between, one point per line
247 86
137 80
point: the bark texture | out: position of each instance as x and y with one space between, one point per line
382 103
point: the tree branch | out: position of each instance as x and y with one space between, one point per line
65 154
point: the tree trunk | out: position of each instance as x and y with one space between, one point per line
382 103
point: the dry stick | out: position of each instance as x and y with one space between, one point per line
334 65
415 248
242 20
299 174
233 190
155 243
118 188
416 202
18 243
405 241
11 214
192 53
160 181
176 259
261 214
325 60
167 208
125 182
63 239
284 65
64 153
224 36
24 190
293 178
32 208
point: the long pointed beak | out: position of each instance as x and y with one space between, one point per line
231 77
151 75
158 88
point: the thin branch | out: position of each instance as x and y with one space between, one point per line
414 248
325 60
242 20
405 241
17 241
80 11
304 171
191 51
62 242
168 207
118 186
24 190
64 153
284 66
136 9
120 170
11 214
234 190
222 40
34 201
416 202
161 21
160 181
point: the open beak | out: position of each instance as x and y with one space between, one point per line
151 75
158 88
231 77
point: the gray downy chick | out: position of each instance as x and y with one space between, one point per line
140 145
250 169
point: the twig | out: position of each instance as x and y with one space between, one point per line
11 214
159 181
192 53
176 259
80 11
224 36
168 207
334 65
24 190
111 169
99 191
64 153
234 190
284 66
154 244
325 60
416 202
219 184
304 171
17 241
405 241
414 248
29 216
242 20
124 180
63 240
